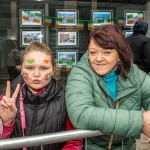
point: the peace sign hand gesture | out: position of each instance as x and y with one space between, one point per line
8 108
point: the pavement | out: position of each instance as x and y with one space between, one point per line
141 143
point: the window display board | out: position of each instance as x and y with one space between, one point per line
29 36
30 18
127 33
67 17
67 38
132 16
101 17
68 58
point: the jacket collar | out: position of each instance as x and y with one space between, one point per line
49 93
124 86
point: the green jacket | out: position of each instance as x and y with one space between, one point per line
90 106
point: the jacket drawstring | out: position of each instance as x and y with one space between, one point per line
122 144
112 136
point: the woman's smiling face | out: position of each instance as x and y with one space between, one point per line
103 61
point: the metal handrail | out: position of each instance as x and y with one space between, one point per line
44 139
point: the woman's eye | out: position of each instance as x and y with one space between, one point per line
93 53
107 52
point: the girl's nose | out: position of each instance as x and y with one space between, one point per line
37 73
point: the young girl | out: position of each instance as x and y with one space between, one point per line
39 105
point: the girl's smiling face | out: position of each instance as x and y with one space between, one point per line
37 70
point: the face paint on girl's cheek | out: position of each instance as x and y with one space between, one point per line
26 75
48 76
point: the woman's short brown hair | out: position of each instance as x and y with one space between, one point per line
110 37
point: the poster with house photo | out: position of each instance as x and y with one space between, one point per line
29 36
67 38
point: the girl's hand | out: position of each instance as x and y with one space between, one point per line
8 108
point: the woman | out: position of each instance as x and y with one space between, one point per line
39 106
105 92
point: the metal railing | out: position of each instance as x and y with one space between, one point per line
44 139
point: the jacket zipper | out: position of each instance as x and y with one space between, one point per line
32 131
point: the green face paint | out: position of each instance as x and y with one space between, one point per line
30 61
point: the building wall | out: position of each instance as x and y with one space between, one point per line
10 21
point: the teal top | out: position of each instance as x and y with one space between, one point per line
110 81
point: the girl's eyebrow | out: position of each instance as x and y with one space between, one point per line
29 65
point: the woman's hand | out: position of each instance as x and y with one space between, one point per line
8 108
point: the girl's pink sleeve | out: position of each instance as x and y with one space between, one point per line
7 129
1 128
74 144
1 97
